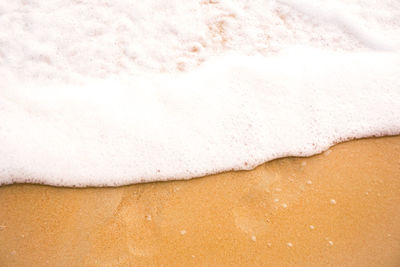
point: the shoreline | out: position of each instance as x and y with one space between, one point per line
202 176
338 207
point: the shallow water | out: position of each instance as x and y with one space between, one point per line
119 93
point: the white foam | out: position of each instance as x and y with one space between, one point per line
336 13
90 95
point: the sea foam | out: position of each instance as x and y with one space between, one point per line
105 94
229 114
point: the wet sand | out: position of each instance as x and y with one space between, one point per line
341 207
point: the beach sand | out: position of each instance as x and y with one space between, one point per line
340 208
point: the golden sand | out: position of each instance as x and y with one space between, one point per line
341 207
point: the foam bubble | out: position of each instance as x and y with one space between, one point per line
233 113
106 94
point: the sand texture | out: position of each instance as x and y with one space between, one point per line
339 208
